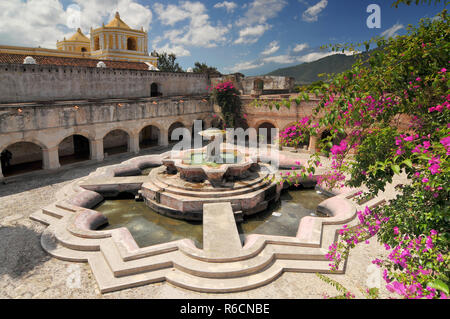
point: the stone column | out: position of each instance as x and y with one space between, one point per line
101 41
133 143
96 147
312 143
50 158
1 173
163 137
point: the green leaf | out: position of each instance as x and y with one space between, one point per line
407 162
439 285
396 169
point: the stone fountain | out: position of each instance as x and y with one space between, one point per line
212 174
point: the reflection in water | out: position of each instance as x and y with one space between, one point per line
150 228
282 218
146 226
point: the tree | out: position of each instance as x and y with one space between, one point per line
226 96
166 62
204 68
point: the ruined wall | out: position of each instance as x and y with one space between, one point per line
29 83
272 84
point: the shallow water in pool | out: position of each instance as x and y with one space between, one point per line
150 228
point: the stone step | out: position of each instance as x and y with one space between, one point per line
267 275
220 285
68 240
54 248
58 212
39 216
108 283
121 268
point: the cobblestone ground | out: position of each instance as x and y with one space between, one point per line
27 271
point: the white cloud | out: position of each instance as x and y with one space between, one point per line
32 23
244 66
279 59
311 14
392 31
178 50
94 12
272 48
43 22
198 32
251 34
284 59
314 56
254 22
260 11
300 47
170 14
229 6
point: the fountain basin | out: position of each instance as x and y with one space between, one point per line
194 166
174 196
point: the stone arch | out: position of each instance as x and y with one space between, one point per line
116 141
27 140
155 89
149 135
74 148
21 157
265 134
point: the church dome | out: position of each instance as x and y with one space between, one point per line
117 23
79 37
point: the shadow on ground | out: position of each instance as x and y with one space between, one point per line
20 251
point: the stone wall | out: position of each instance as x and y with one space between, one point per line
271 84
246 85
30 83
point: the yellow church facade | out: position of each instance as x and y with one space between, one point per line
115 41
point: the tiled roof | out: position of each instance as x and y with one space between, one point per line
9 58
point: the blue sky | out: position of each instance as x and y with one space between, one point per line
253 37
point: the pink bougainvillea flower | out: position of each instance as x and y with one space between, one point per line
396 230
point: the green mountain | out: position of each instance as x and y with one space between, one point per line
307 72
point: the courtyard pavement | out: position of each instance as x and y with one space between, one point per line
27 271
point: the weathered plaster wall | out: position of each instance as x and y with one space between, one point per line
30 83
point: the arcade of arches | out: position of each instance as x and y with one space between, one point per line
26 156
35 151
